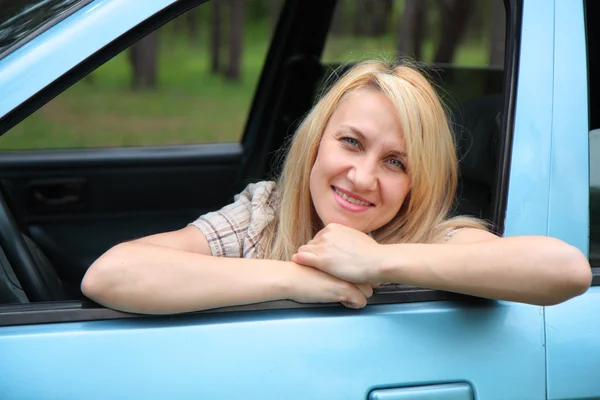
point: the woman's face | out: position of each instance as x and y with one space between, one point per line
360 177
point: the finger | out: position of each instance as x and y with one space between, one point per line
306 258
333 227
352 296
307 248
349 305
320 233
355 299
365 288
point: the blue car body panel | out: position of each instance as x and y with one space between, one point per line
572 336
499 350
297 354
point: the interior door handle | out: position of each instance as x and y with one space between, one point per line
57 194
63 200
451 391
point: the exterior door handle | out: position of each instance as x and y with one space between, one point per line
451 391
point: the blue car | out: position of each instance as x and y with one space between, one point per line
528 136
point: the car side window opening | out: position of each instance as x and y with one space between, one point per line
192 81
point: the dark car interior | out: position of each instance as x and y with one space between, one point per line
592 12
61 209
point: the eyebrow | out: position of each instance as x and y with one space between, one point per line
357 132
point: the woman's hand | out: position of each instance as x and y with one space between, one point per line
309 285
343 252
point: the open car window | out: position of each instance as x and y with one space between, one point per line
284 62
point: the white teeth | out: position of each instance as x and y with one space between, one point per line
351 199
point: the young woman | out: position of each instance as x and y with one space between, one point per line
363 199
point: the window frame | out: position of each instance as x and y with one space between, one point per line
79 311
514 12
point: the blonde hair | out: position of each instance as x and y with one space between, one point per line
424 216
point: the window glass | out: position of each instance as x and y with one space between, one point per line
191 81
461 43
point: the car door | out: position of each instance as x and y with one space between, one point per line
407 343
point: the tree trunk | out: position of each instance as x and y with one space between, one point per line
236 38
455 18
144 58
498 34
192 26
215 37
380 11
360 18
338 23
411 29
179 24
477 20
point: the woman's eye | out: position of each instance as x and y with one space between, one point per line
351 141
396 163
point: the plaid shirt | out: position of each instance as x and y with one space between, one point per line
236 229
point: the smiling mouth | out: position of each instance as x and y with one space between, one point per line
350 199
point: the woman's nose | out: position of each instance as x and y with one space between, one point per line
363 175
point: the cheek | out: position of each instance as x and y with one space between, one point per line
397 192
321 169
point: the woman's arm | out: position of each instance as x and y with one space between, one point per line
529 269
172 273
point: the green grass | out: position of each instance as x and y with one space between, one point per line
190 105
